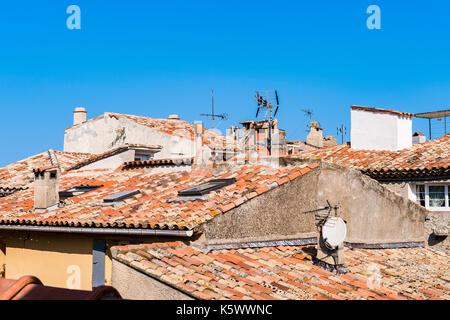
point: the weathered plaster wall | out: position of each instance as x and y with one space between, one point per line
274 215
100 135
402 188
374 213
112 162
135 285
95 136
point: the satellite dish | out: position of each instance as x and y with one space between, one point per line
334 231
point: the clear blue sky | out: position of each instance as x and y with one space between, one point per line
160 57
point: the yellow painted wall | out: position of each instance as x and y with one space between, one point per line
59 260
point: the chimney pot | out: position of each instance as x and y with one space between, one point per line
79 116
174 117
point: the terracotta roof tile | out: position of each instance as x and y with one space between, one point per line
20 174
277 273
428 158
151 208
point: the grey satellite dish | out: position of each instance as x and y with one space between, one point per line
334 231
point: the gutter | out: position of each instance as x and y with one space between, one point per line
112 231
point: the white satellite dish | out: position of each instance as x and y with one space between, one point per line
334 231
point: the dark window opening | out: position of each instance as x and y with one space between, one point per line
76 191
207 187
420 193
143 157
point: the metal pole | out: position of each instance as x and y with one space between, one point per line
213 108
429 127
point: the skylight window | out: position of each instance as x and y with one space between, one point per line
76 191
206 187
4 192
120 196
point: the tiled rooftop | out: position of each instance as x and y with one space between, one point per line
287 272
150 208
20 174
432 155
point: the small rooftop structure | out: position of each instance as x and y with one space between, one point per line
434 115
380 129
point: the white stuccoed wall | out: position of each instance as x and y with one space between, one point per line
380 131
99 135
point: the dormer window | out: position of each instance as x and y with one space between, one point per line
143 157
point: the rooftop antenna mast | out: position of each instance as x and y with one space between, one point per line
264 103
213 116
308 113
342 130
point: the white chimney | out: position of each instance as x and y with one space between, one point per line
380 129
174 117
79 116
198 143
46 188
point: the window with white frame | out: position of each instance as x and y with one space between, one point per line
433 196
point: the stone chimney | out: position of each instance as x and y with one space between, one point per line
380 129
46 190
79 116
315 136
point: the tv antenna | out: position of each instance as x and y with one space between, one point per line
342 130
266 104
213 116
308 113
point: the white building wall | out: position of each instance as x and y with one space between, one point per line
380 131
112 162
103 134
404 132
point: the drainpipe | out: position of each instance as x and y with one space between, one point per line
111 231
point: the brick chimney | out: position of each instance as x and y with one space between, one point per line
46 187
79 116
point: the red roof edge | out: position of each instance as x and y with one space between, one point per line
31 288
379 110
